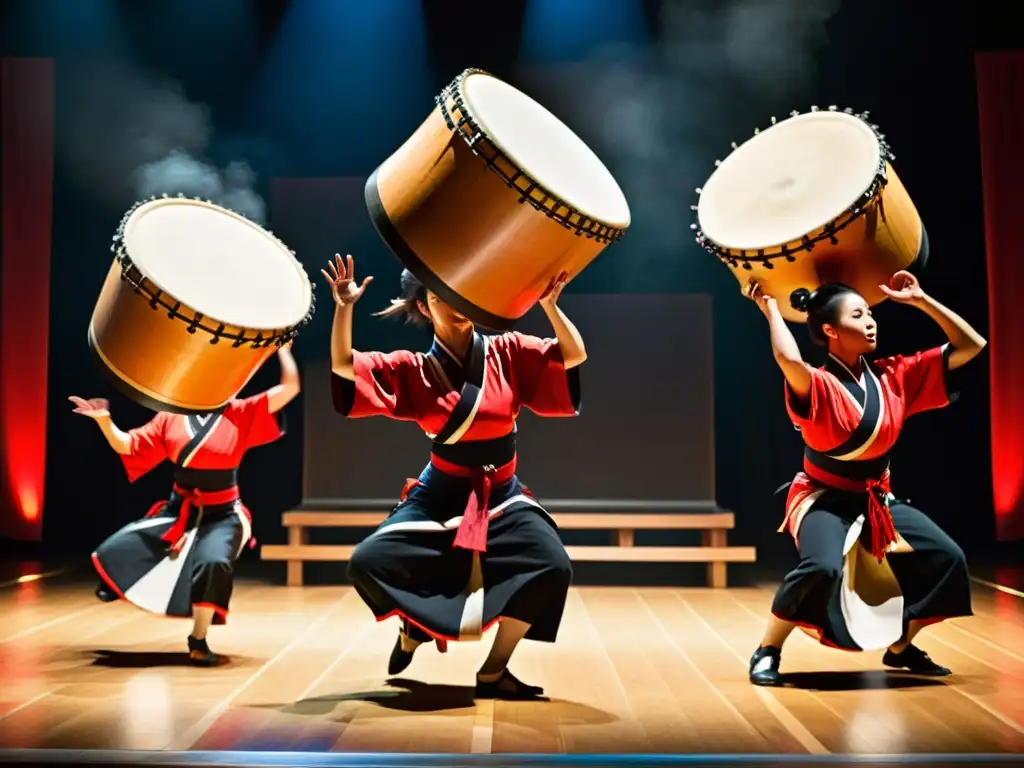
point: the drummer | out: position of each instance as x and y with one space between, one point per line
850 413
424 562
199 531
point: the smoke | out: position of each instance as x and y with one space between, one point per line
658 116
127 137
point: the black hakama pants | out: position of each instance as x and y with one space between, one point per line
409 567
933 578
136 563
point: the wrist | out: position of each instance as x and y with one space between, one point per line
923 301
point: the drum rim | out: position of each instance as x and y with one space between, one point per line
530 190
156 296
763 257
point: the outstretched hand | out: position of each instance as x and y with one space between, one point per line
550 296
94 407
342 279
904 288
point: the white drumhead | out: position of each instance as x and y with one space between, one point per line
788 181
542 146
219 263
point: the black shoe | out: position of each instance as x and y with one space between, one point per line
764 666
105 593
199 653
507 687
916 661
400 658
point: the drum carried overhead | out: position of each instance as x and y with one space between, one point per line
813 199
197 298
491 198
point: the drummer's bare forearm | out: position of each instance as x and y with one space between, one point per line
278 397
120 441
787 353
570 342
967 343
341 342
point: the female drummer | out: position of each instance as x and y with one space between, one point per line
850 413
178 560
468 545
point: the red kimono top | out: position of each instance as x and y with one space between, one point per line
850 424
467 407
215 441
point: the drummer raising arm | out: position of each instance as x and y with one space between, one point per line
850 413
424 564
201 529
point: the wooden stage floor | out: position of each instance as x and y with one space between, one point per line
635 670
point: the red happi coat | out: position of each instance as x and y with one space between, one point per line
464 401
518 371
850 424
216 443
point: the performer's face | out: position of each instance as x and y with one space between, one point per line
447 322
855 331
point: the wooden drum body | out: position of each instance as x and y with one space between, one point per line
813 199
491 198
196 300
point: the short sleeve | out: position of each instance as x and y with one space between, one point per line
385 384
147 447
806 411
255 423
542 382
924 378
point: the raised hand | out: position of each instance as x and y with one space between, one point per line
550 296
94 407
342 279
753 292
904 288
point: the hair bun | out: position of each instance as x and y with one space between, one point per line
799 299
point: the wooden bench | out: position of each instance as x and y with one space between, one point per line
569 515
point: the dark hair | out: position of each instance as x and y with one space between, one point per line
407 305
821 306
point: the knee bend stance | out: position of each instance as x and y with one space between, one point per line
821 568
363 563
562 567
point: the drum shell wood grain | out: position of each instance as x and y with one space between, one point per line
463 232
154 360
885 239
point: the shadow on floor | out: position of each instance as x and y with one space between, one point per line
413 696
856 681
145 659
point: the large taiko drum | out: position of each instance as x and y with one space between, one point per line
812 199
491 198
196 299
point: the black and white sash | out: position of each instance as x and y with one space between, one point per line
866 395
470 378
199 428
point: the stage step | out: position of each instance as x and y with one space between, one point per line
342 553
713 524
594 521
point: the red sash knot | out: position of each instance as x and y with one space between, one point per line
175 535
472 531
883 531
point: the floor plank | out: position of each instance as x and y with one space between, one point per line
635 670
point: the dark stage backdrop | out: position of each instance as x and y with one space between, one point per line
647 425
645 431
